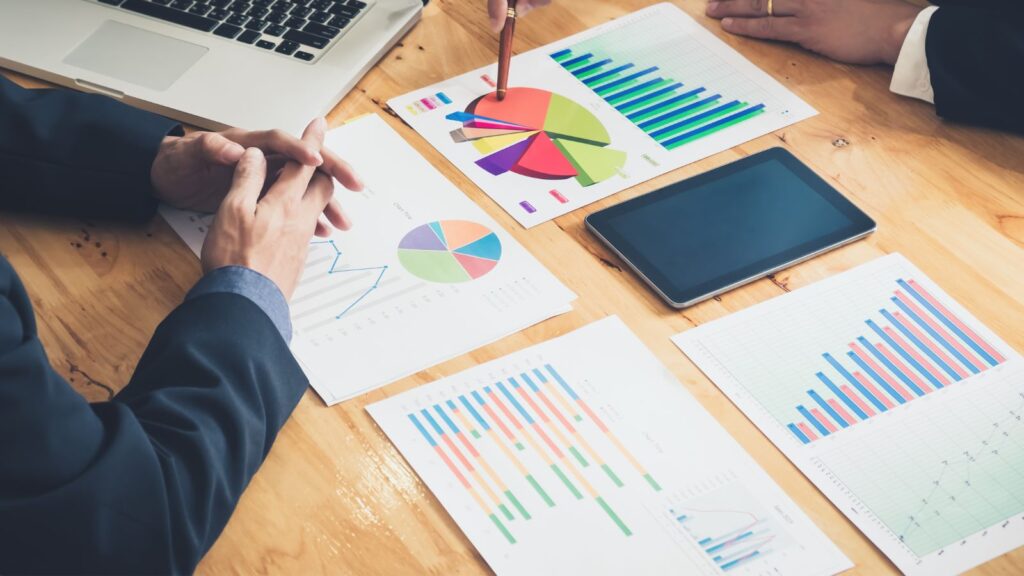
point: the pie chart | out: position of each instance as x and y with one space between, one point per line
450 251
538 134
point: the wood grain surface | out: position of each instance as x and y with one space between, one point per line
335 497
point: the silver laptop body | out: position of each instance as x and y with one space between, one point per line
195 67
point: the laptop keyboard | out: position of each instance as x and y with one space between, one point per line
301 29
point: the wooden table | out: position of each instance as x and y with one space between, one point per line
334 496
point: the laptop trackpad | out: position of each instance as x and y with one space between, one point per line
135 55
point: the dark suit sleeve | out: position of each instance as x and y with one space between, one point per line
975 54
64 152
145 483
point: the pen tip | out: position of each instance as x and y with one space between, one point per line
501 94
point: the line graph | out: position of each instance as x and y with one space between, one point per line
333 268
965 479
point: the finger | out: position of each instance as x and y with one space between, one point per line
750 8
247 183
337 216
341 170
212 147
497 9
323 229
278 142
294 178
785 29
318 195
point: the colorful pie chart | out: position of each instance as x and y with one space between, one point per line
450 251
538 134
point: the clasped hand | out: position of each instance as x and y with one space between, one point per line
272 193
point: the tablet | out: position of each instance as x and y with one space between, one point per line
700 237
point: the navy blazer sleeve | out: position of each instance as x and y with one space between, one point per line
975 53
144 483
75 154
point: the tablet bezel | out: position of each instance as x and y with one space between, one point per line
860 225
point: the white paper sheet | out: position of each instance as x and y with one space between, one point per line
584 455
664 92
919 437
387 299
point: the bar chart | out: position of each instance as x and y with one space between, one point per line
903 408
537 412
916 347
670 112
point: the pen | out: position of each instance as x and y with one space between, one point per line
505 49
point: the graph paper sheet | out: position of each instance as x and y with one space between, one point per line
897 403
423 276
600 111
584 455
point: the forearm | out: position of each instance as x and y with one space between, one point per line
64 152
144 483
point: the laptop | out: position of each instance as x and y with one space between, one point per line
253 64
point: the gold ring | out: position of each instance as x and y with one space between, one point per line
770 11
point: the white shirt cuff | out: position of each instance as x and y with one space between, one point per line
911 77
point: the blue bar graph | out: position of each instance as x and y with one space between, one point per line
642 95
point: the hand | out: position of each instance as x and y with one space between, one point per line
498 9
852 31
270 234
194 172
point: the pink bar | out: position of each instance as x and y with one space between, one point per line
883 398
903 367
842 411
977 339
931 345
881 372
807 431
487 79
492 125
942 332
428 103
857 400
824 421
558 196
931 368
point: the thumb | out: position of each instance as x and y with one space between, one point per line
497 9
217 149
247 184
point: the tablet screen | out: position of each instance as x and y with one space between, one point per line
722 227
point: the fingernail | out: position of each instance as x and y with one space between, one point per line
712 6
726 22
236 149
321 123
319 158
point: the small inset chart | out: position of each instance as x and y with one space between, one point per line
730 527
450 251
538 134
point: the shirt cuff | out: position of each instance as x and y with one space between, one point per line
252 285
911 77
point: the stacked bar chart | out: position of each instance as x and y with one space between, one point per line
916 347
537 416
670 111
